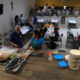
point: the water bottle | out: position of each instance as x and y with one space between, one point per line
49 56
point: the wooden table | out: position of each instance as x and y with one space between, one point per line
39 68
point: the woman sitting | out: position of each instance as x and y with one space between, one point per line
37 43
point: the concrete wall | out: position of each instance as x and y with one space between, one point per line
19 6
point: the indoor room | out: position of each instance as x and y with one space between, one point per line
39 39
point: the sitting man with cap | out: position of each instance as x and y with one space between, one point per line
16 38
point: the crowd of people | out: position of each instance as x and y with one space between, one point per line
37 41
59 11
19 20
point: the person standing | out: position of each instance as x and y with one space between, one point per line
34 20
45 9
46 6
21 20
52 9
17 20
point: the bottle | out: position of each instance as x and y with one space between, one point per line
49 56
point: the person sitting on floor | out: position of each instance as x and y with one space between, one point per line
37 43
16 38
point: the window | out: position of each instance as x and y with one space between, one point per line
1 9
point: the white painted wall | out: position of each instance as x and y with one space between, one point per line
19 6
